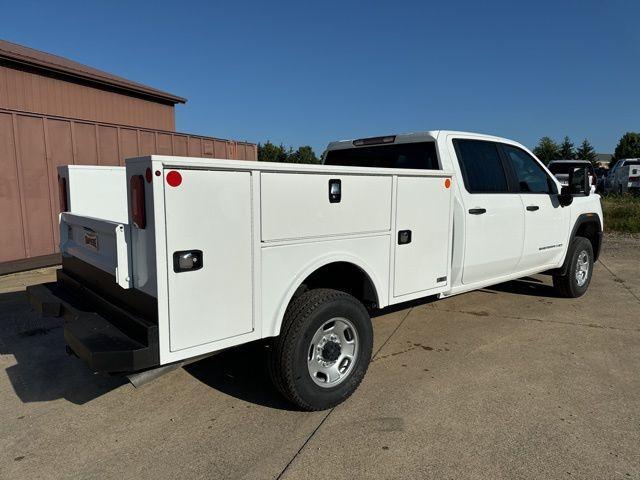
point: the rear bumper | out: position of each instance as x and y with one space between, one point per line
107 337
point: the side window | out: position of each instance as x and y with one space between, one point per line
530 175
482 169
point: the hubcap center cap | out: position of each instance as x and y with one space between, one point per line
331 351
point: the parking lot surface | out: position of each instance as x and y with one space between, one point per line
507 382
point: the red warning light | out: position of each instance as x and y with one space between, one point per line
447 183
174 178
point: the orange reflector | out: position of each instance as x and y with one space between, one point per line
447 183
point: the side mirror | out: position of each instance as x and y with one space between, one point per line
579 182
565 198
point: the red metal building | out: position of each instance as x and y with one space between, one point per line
54 111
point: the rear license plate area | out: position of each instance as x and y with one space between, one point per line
91 240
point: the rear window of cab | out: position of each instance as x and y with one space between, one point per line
418 155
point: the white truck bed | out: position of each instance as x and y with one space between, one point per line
263 228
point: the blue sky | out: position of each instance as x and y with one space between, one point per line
311 72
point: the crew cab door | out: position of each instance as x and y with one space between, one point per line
493 214
545 221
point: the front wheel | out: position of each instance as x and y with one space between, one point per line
323 350
575 281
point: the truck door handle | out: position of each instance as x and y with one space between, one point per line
477 211
533 208
187 260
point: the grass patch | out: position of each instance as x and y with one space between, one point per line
621 213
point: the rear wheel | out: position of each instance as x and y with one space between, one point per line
575 281
323 350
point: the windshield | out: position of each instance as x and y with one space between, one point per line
420 155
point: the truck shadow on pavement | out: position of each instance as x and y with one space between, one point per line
241 372
33 356
525 286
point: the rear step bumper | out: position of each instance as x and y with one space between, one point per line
105 336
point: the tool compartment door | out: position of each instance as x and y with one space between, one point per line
298 205
210 211
422 235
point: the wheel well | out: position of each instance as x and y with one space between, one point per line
590 230
343 276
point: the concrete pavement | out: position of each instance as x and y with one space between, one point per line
508 382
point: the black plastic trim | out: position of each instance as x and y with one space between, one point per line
103 283
581 220
106 335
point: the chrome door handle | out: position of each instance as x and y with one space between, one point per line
477 211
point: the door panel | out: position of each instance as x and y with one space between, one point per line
423 208
493 216
545 230
545 220
493 240
210 211
364 205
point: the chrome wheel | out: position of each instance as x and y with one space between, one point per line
333 352
582 268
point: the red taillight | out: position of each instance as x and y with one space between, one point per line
138 210
62 193
634 179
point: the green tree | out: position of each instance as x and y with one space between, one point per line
547 150
304 154
272 153
567 149
628 146
586 152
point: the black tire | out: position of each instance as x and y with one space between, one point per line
567 285
289 352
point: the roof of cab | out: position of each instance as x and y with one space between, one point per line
418 136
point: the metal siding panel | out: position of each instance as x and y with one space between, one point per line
220 148
86 145
164 144
35 187
254 153
108 145
30 92
195 147
147 143
60 152
11 234
207 148
242 152
180 145
128 143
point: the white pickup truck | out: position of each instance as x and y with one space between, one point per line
203 255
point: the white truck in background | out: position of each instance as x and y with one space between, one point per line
624 177
216 253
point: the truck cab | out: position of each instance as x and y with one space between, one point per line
507 204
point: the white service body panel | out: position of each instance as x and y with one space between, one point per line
423 207
365 206
210 211
263 228
97 191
